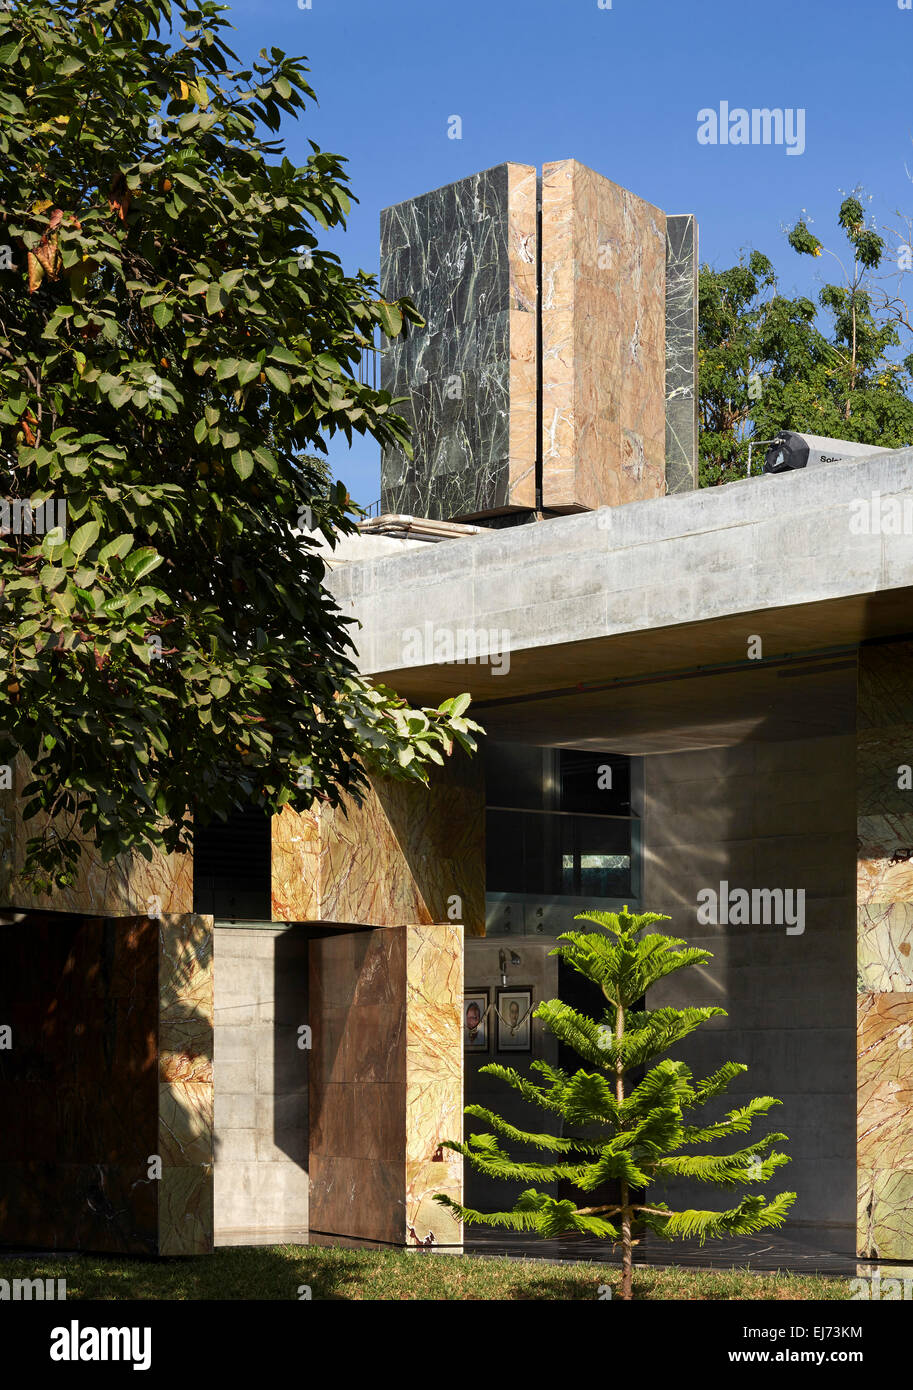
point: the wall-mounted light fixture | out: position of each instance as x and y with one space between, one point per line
502 962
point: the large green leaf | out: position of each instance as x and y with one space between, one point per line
85 537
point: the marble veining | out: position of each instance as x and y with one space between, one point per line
408 853
617 379
124 887
465 255
185 1091
603 341
681 352
434 1078
385 1082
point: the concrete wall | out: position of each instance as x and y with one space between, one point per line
261 1085
767 815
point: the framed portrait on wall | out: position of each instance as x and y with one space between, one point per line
514 1019
476 1006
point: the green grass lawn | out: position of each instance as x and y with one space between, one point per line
277 1272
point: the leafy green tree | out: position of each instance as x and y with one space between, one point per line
766 364
175 349
636 1135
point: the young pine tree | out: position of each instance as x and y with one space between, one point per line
636 1136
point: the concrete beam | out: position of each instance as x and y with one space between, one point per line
652 586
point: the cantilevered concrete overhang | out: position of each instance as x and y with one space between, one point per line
634 625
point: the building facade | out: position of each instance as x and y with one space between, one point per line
698 703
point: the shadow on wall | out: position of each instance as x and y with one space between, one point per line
775 811
291 1045
440 832
261 1081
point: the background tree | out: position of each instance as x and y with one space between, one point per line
634 1136
174 349
766 363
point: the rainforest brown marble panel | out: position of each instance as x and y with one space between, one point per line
885 1219
885 1080
408 853
885 946
386 1083
603 341
78 1087
129 885
110 1071
357 1089
185 1090
434 1078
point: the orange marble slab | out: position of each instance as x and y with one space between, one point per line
522 193
185 1120
408 853
885 1080
434 1078
124 887
386 1083
603 341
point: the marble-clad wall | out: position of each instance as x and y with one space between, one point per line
110 1067
126 886
434 1078
78 1084
603 341
386 1084
295 864
558 363
408 853
357 1091
465 255
681 352
884 1153
185 1084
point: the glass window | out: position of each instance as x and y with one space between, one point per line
558 822
557 855
597 783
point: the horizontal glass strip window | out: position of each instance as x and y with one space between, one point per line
557 855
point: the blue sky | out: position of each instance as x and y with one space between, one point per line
618 89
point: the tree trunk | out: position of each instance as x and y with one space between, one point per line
627 1249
